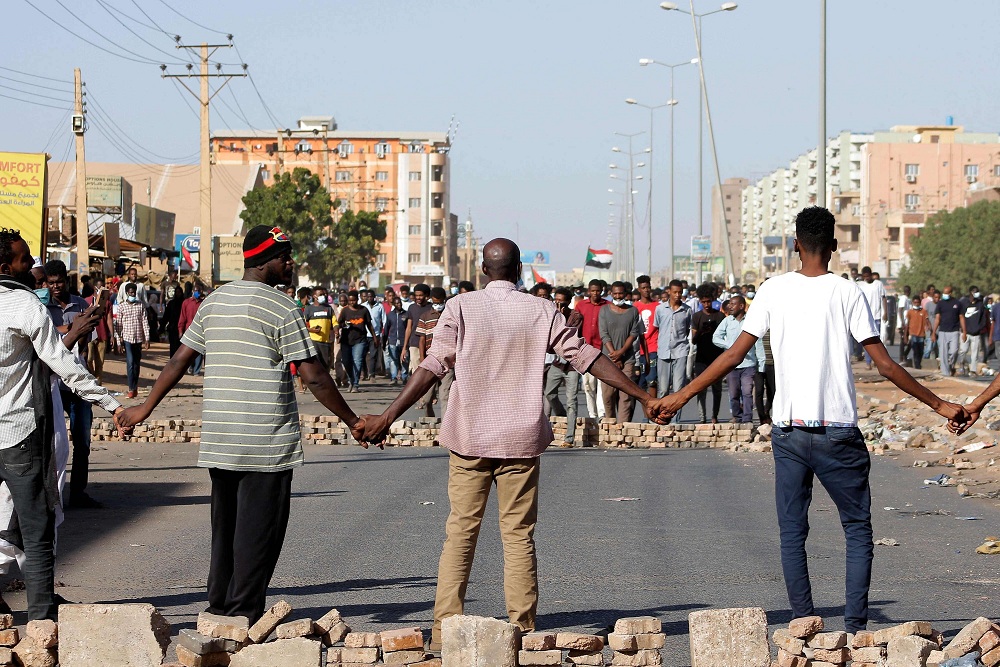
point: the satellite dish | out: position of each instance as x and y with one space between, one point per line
916 138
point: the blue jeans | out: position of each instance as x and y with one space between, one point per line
357 359
917 351
195 369
740 381
839 458
647 378
133 355
81 417
397 369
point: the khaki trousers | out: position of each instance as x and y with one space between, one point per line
469 482
618 404
95 358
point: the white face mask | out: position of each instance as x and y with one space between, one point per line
976 295
751 295
321 298
438 306
619 302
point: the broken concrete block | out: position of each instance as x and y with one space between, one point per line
828 640
402 639
912 628
863 639
475 641
300 628
991 658
538 641
579 642
784 640
805 626
6 621
595 658
9 637
968 637
619 642
835 655
637 625
403 657
336 634
199 644
547 657
636 659
29 654
362 640
236 628
989 641
732 637
266 624
868 654
366 655
935 659
431 662
298 652
327 622
190 659
786 659
84 630
6 656
44 633
909 651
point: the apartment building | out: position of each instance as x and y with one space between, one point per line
405 176
731 190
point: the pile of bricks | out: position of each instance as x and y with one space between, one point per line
805 644
38 647
156 430
420 433
637 641
324 430
586 434
549 648
683 436
232 641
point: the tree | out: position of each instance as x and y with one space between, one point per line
958 248
330 253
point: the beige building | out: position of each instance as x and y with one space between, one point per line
731 189
402 175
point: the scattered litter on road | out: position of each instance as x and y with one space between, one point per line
889 509
975 447
969 518
925 512
989 547
137 545
940 480
886 542
621 500
427 502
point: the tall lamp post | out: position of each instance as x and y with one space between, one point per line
696 26
649 201
628 231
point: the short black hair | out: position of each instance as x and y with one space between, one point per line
595 281
422 287
134 288
55 267
866 269
466 285
404 287
566 292
706 291
353 293
304 291
814 227
438 293
675 283
642 280
619 283
541 286
974 288
8 237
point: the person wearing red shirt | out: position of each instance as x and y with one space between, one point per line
188 310
590 309
647 308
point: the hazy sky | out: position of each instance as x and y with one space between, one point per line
538 88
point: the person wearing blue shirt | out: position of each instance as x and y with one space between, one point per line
741 378
673 321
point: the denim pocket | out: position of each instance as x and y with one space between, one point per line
16 460
847 436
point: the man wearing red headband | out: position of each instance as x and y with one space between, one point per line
249 333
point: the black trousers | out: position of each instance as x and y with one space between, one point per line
763 389
249 518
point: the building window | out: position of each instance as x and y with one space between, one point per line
729 196
345 148
935 138
382 149
894 235
996 170
436 254
381 203
343 176
303 147
437 174
437 227
414 257
415 147
265 174
971 171
913 170
414 202
437 200
912 202
382 258
414 230
343 206
381 176
415 176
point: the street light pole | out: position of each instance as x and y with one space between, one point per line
821 152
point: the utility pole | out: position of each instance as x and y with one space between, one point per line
204 97
82 226
821 151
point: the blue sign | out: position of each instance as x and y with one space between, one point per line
535 257
188 247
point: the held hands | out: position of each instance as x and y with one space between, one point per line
661 410
962 423
123 423
371 430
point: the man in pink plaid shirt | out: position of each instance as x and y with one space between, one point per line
133 327
496 340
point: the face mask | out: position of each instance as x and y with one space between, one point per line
976 295
945 296
132 299
619 302
438 306
751 295
196 294
321 299
454 291
43 295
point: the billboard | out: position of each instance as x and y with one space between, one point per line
188 246
228 259
22 197
153 227
701 248
531 276
104 191
535 257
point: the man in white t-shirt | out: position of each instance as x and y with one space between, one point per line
813 316
874 292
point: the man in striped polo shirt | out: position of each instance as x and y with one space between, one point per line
250 442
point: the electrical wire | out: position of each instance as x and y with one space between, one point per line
100 34
55 130
183 95
267 109
141 38
36 85
106 117
28 92
193 22
41 104
36 76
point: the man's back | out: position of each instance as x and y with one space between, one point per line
812 321
496 339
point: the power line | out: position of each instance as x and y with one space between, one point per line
220 32
184 98
41 104
106 117
99 33
36 85
28 92
36 76
141 38
55 130
267 109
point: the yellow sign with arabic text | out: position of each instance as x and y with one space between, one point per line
22 197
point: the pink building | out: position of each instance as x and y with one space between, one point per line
912 172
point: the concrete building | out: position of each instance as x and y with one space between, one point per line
402 175
731 189
881 187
